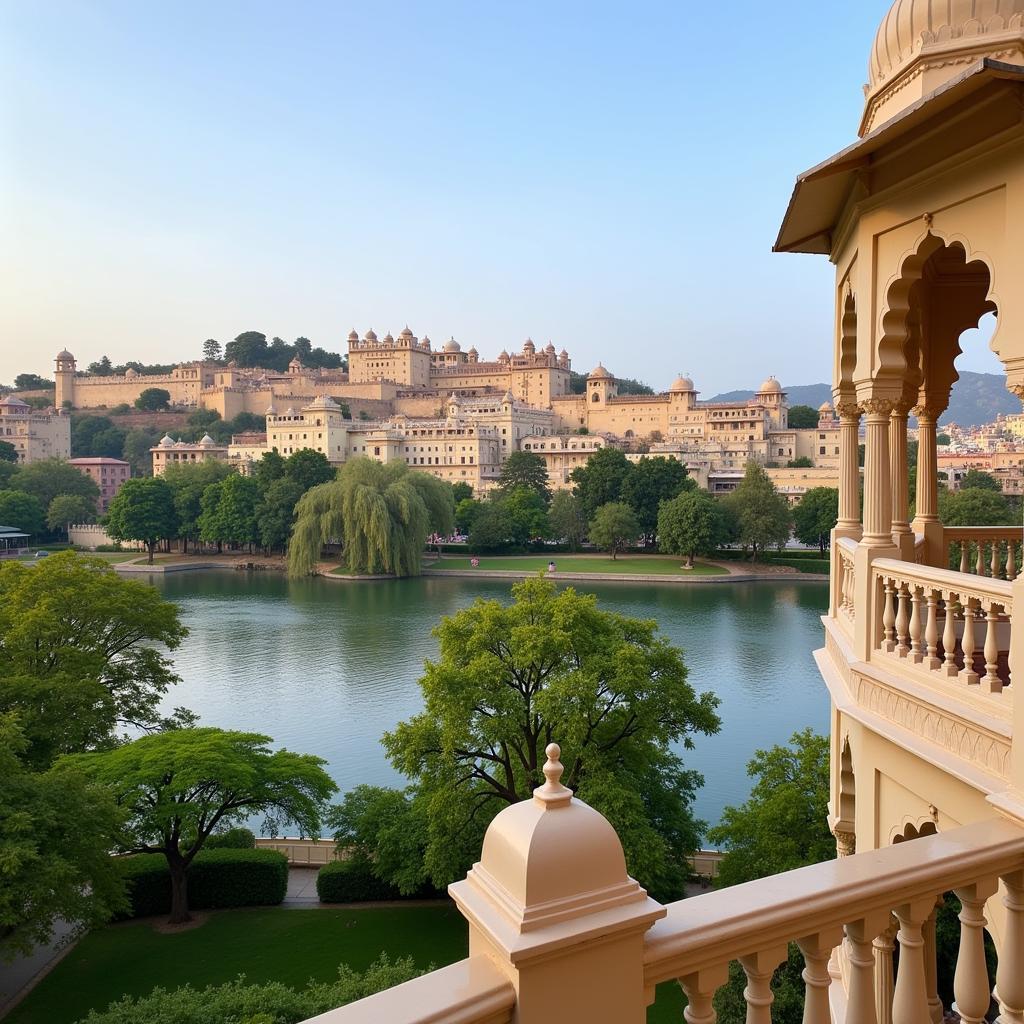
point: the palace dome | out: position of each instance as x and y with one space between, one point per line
451 345
682 384
922 44
406 332
825 408
353 336
599 371
370 336
64 355
770 387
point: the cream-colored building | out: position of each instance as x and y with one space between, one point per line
169 452
35 434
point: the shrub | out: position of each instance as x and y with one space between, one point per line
216 878
353 881
818 565
232 839
270 1003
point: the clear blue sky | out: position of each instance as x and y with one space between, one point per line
609 177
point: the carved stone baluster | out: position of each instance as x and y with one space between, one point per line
931 630
963 555
971 987
996 562
967 673
949 636
931 976
916 626
860 959
903 621
700 989
816 950
910 999
759 968
889 618
884 947
1009 976
1011 559
979 565
992 683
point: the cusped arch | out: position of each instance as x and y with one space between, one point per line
848 342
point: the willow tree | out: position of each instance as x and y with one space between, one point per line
381 514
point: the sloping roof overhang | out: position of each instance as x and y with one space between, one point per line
822 192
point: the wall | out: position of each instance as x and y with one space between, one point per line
91 536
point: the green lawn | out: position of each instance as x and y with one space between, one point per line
660 565
106 556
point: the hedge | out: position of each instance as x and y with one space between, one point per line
812 565
216 878
233 839
353 881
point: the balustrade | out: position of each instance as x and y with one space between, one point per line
845 590
991 551
951 625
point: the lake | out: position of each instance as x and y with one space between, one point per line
327 667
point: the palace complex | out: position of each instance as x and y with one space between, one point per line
35 434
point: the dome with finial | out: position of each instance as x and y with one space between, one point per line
167 441
528 347
206 441
921 44
503 356
406 332
370 335
388 340
825 409
599 371
682 384
550 349
451 345
130 373
65 356
353 335
770 387
425 342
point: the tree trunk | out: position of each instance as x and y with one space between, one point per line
184 545
689 560
179 893
150 547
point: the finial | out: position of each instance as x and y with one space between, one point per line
553 793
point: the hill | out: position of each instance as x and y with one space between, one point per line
977 398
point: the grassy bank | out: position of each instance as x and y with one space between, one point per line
660 565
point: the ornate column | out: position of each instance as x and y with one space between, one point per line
1009 977
910 1000
927 497
846 841
970 983
884 947
877 489
849 468
902 536
931 975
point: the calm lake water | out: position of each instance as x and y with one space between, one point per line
326 668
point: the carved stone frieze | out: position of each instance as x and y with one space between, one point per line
877 407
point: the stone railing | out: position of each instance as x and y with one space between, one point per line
846 581
303 852
992 551
949 625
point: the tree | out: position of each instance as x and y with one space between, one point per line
466 512
153 399
762 514
23 511
54 848
648 483
943 439
211 350
7 471
691 524
803 417
565 520
802 462
303 348
527 515
143 510
8 453
66 509
308 468
491 528
32 382
101 368
815 517
613 527
973 506
784 823
248 349
276 513
269 468
460 491
47 478
176 787
137 454
525 469
979 478
231 518
96 436
188 481
83 653
509 680
382 514
599 480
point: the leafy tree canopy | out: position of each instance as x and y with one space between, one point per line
565 520
47 478
600 479
815 516
308 468
276 513
802 462
979 478
460 491
552 666
68 510
802 417
231 517
974 506
137 444
762 514
32 382
691 524
8 453
648 483
466 512
96 436
525 469
143 510
23 511
614 527
153 399
211 350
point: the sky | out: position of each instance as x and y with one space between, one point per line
609 177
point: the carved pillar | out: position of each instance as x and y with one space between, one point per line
935 1010
902 535
1009 976
877 487
846 841
910 999
971 986
849 468
926 513
885 979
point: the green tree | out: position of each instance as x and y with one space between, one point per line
248 349
232 520
8 453
202 420
690 525
23 511
973 506
82 653
762 514
614 527
466 512
153 399
102 368
47 478
943 439
525 469
527 514
552 666
815 516
32 382
276 514
565 520
143 510
382 514
208 522
211 350
269 468
802 462
176 787
137 444
599 480
979 478
461 491
96 436
491 528
308 468
54 848
188 481
648 483
68 509
802 417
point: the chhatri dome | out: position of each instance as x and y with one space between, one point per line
770 387
922 44
682 384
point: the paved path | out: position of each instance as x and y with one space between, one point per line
301 888
17 979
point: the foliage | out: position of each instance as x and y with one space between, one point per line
32 382
218 877
762 514
47 478
802 417
803 462
79 656
973 506
466 512
382 514
979 478
23 511
53 849
626 385
250 348
614 527
599 480
815 517
269 468
231 518
238 838
352 881
143 510
238 1002
565 520
153 399
648 483
7 471
188 481
136 452
8 453
527 470
691 524
509 520
552 666
784 823
943 439
461 491
66 509
276 513
308 468
787 989
96 436
211 350
178 786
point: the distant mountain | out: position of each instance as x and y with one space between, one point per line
977 398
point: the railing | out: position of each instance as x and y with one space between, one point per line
845 547
312 852
992 551
952 626
853 901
